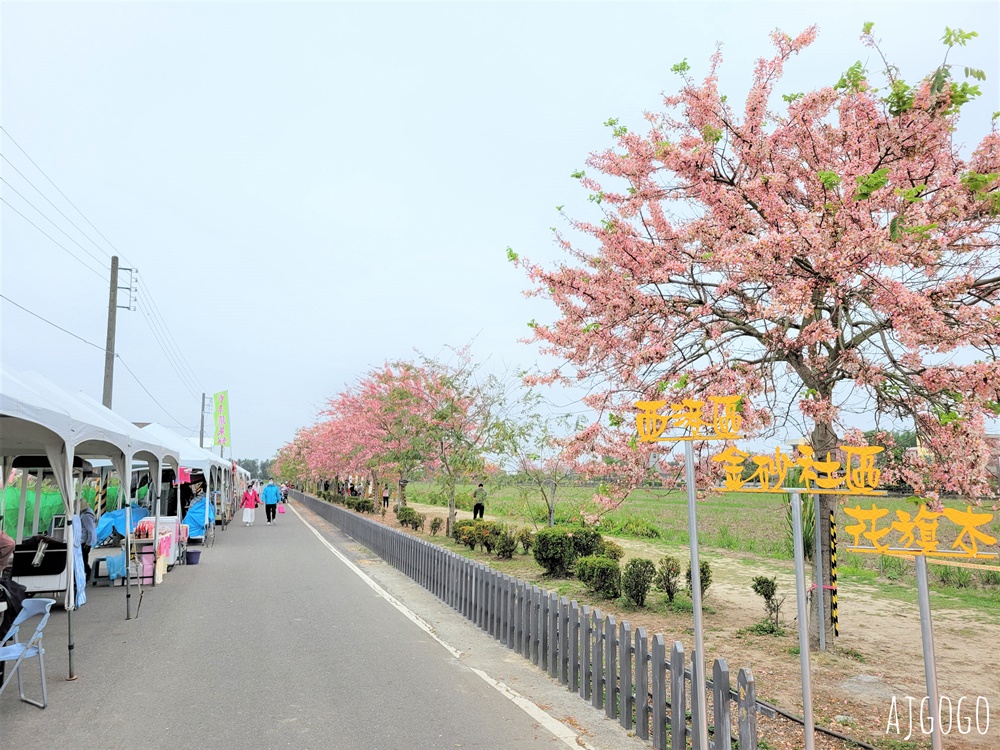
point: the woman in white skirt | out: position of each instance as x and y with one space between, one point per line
249 506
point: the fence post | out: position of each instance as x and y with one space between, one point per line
720 703
641 684
519 618
530 622
678 717
746 710
585 652
542 633
626 702
659 674
564 640
573 635
553 617
610 668
597 662
697 697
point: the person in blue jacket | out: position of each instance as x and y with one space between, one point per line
271 496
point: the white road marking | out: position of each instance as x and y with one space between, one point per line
560 730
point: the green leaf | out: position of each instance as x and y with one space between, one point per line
511 255
869 183
615 421
957 37
681 68
559 208
829 180
923 230
900 98
578 174
591 327
853 79
596 197
532 324
977 182
867 28
993 406
711 134
792 97
911 195
611 122
682 382
894 226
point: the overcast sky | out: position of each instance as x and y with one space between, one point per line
310 189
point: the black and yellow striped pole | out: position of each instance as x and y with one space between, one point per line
833 574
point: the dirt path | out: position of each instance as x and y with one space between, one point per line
877 656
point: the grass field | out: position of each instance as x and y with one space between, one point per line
751 523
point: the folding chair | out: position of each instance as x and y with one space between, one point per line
12 650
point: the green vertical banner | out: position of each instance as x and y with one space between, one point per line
221 401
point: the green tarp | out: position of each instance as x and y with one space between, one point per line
52 504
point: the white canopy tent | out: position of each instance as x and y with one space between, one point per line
215 468
38 418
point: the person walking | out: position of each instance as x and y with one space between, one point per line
88 537
249 506
479 495
385 496
271 497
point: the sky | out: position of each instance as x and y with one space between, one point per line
310 189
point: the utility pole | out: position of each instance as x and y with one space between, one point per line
201 434
109 349
113 307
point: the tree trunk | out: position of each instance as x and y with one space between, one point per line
451 509
552 506
824 440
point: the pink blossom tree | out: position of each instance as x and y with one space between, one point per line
828 252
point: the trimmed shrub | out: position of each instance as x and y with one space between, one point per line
610 549
668 576
486 534
364 505
467 536
706 577
456 529
637 579
407 516
554 551
506 544
436 524
767 589
526 539
586 540
601 575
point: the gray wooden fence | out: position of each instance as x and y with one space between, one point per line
639 681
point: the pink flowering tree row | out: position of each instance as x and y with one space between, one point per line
436 418
823 253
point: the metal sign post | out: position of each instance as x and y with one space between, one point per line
818 568
927 640
698 709
800 601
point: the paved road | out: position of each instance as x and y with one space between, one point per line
273 642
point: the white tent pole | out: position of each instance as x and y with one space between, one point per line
20 511
71 579
38 503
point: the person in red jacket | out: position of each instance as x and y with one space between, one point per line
249 505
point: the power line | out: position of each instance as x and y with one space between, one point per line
44 216
101 348
157 335
69 252
136 378
62 194
154 311
54 325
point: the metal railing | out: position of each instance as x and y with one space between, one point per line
629 676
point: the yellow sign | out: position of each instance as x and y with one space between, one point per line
723 423
856 476
918 532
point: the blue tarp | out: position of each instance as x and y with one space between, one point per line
115 520
195 518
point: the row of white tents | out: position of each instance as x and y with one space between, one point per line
37 418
